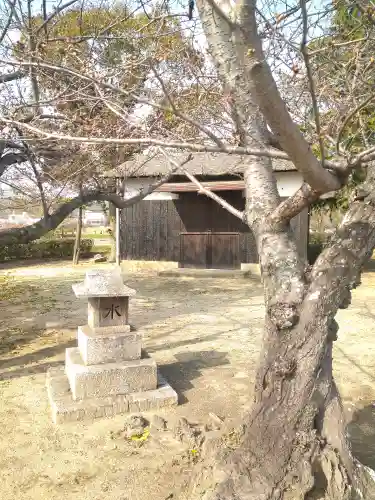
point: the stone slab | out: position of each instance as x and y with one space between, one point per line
109 379
65 409
108 344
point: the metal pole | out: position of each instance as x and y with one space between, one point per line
118 215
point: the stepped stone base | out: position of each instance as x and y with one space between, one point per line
96 381
108 344
66 409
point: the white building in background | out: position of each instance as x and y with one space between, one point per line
22 219
94 219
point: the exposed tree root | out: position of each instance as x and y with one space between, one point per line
226 474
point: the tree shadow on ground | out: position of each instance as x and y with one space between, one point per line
355 363
182 343
369 267
361 431
189 366
24 330
29 370
34 357
17 334
215 306
15 264
33 362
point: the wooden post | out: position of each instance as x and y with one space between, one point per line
118 256
118 215
77 242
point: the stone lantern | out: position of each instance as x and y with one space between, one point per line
107 373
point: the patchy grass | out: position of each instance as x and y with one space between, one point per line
97 236
11 288
16 290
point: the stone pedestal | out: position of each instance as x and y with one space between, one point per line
106 373
108 345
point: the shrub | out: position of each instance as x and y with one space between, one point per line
44 249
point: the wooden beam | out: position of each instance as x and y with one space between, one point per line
173 187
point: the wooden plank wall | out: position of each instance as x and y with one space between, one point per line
150 230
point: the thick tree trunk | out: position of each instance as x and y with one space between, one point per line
295 445
77 242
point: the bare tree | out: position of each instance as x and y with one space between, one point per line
294 445
43 170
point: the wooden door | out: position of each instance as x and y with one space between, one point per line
225 251
194 250
210 250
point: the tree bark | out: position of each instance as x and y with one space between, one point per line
10 77
295 445
77 241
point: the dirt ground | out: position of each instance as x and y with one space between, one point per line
205 336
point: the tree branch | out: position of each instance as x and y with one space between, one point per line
182 115
32 45
215 197
31 158
6 143
48 223
274 108
335 45
19 190
363 157
350 116
310 78
54 14
148 141
294 205
337 166
10 77
10 159
7 24
207 192
338 267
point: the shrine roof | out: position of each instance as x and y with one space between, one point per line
103 283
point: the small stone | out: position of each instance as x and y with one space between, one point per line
99 258
135 426
185 432
158 423
136 422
